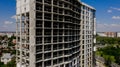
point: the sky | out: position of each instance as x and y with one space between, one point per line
7 11
107 15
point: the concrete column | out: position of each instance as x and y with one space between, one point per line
52 34
43 32
32 34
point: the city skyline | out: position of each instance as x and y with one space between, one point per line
107 14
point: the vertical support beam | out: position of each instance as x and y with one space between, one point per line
25 37
32 36
20 39
94 39
85 44
43 32
16 39
52 33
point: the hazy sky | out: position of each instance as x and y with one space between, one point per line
107 14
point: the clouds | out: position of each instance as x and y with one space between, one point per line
101 27
109 11
108 25
114 8
8 25
116 17
8 22
13 17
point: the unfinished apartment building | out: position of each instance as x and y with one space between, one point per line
54 33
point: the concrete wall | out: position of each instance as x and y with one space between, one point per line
118 34
22 6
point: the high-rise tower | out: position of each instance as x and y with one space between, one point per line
54 33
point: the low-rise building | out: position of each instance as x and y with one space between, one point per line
111 34
102 34
6 58
118 34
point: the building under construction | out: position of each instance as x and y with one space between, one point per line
54 33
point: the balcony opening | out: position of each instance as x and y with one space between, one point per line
47 8
39 32
38 7
38 15
38 40
47 24
39 64
38 57
55 2
47 16
47 1
47 40
39 1
47 48
39 48
47 55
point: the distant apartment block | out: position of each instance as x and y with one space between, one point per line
55 33
109 34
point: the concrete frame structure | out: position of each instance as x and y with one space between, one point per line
55 33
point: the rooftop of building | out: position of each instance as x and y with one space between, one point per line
7 55
88 5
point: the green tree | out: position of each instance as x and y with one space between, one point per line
11 63
1 64
107 40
